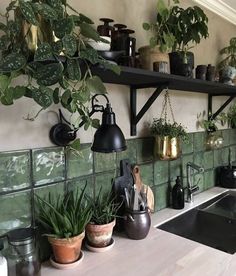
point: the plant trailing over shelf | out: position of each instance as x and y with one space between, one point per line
229 52
162 35
210 124
229 117
48 46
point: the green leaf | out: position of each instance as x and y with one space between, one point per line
115 68
18 92
75 144
95 85
49 74
57 47
153 42
47 12
7 98
63 27
146 26
73 69
43 96
56 95
161 8
85 19
4 82
91 55
69 45
44 52
66 97
63 83
89 32
95 123
28 12
54 3
12 62
3 27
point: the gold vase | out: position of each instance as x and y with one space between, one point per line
167 148
31 34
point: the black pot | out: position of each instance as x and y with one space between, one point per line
227 177
178 66
137 224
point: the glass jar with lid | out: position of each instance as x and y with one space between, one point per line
22 253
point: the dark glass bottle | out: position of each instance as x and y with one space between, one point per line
178 195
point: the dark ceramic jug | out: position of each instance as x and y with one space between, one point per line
137 224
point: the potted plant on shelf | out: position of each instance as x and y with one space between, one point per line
228 64
167 138
188 26
162 38
64 219
100 228
47 45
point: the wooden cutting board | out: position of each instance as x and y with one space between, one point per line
141 187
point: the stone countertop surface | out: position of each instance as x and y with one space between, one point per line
159 254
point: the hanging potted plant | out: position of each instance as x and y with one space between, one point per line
168 136
46 42
188 26
227 66
100 228
64 219
161 40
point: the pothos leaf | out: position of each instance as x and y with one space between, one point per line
88 31
73 69
69 45
95 85
63 27
43 96
49 74
12 62
44 52
75 144
28 12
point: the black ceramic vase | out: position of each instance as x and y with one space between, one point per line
137 224
179 67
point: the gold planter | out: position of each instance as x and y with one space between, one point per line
167 148
31 34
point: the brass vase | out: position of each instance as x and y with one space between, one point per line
167 148
33 35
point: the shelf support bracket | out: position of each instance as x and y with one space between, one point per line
228 101
134 117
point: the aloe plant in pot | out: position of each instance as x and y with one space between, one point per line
64 220
46 43
100 228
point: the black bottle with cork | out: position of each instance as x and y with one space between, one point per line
178 194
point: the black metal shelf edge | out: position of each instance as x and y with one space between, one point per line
144 78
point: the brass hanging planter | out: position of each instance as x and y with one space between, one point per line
167 148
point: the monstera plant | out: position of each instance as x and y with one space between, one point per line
46 42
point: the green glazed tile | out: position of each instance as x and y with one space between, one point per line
199 181
226 137
187 147
17 211
54 189
48 165
79 184
104 161
185 160
130 153
145 149
233 153
147 175
14 170
161 172
80 163
225 156
221 157
175 169
198 158
208 160
232 138
105 181
209 179
161 196
199 141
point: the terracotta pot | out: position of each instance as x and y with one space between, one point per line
167 148
66 250
149 55
99 235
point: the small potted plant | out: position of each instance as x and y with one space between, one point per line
229 60
188 26
167 137
161 40
100 228
229 117
64 219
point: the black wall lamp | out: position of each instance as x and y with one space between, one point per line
107 138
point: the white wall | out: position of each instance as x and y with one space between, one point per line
17 133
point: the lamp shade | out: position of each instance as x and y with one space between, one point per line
108 137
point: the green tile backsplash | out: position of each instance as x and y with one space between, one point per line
55 170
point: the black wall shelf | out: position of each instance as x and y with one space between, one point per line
139 78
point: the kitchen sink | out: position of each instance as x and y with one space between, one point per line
212 223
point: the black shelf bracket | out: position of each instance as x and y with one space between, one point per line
213 116
134 117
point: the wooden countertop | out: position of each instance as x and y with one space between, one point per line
159 254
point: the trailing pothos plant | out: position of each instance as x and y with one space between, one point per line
58 70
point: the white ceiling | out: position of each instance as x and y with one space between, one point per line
224 8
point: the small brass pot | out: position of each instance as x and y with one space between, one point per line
167 148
